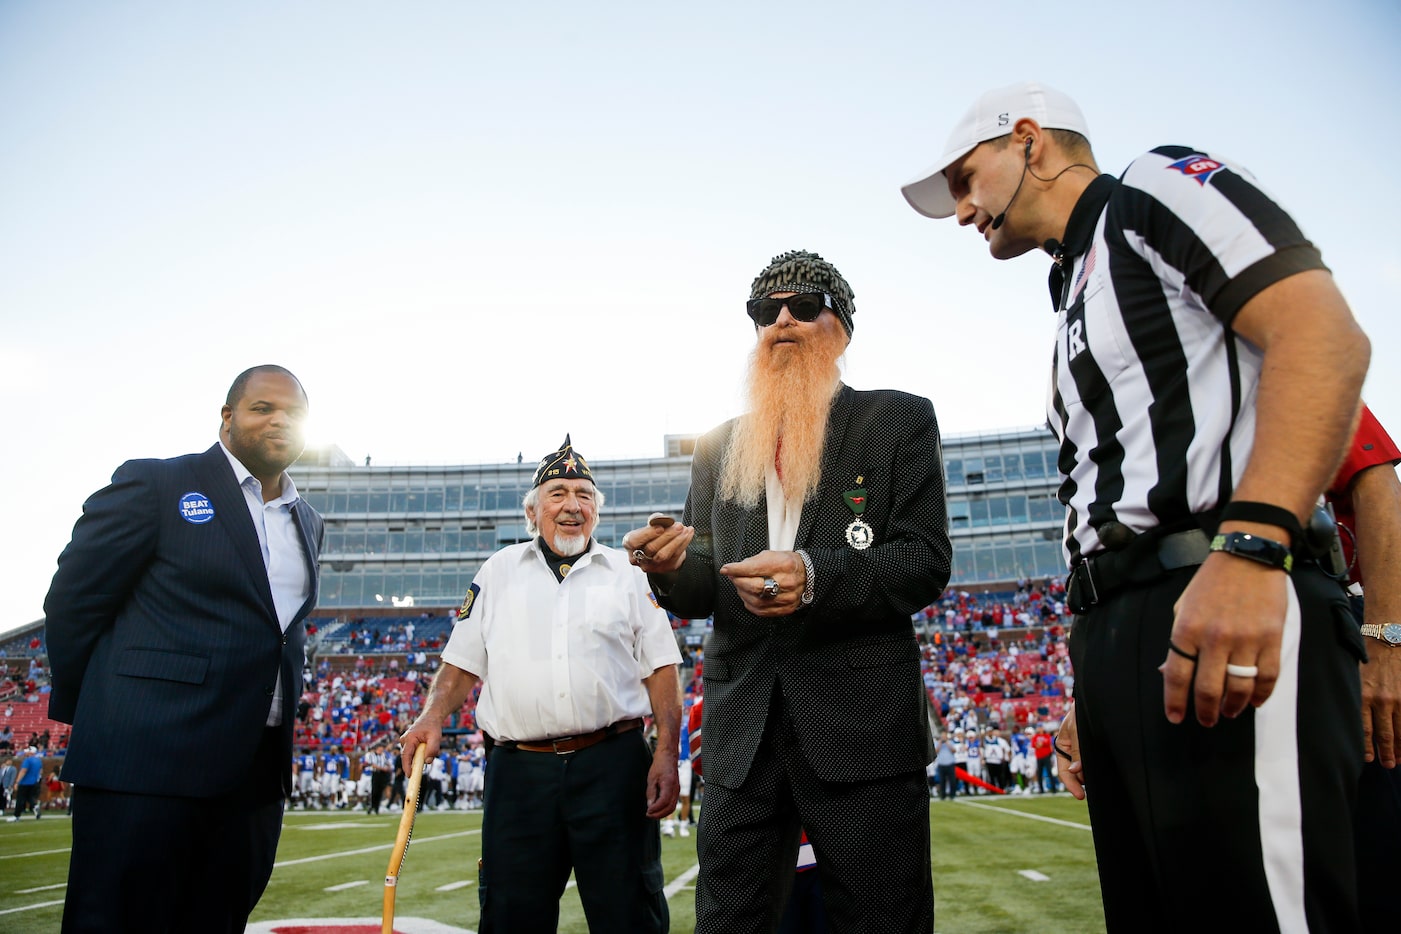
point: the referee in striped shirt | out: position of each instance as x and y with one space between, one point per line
1206 382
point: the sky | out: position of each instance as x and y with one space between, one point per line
470 228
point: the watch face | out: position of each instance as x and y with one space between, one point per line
1391 633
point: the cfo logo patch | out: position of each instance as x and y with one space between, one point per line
1197 167
468 602
196 508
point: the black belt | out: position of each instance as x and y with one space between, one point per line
561 745
1095 578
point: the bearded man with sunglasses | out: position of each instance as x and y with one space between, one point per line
814 527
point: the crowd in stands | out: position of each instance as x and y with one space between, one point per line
995 665
1004 656
373 700
23 679
426 632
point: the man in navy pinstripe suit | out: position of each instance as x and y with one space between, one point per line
175 637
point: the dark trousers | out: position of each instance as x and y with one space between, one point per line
26 799
379 780
1046 773
948 781
546 814
1379 844
804 913
157 865
1378 830
1266 797
871 840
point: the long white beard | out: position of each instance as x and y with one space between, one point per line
567 546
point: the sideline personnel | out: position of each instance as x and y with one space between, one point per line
572 652
1206 380
174 627
814 527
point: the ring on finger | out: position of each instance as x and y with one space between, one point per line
1173 647
1243 671
770 588
641 555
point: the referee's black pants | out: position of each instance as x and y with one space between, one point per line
545 814
379 781
1252 817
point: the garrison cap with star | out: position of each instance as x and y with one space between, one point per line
564 464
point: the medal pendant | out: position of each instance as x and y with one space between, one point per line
859 535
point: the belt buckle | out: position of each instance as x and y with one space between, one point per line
554 744
1083 576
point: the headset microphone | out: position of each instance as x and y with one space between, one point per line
1026 165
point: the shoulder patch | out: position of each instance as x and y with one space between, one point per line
1197 167
653 597
467 602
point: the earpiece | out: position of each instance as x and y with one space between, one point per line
1026 167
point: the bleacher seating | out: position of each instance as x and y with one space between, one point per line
29 718
429 633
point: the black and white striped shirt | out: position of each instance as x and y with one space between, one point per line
1152 394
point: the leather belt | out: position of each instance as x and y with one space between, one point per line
1095 578
562 745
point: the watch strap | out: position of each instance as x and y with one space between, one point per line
1254 548
1378 631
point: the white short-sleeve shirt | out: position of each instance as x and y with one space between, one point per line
560 658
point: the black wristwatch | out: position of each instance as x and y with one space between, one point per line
1264 550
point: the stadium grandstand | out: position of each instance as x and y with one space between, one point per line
404 542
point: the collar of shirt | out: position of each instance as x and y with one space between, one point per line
595 552
1079 230
243 476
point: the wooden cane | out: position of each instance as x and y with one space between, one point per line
401 840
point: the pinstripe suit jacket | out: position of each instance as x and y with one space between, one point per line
163 638
847 665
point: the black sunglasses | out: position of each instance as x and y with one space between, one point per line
805 307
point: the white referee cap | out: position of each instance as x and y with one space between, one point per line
992 115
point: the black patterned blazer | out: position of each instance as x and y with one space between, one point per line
848 665
163 638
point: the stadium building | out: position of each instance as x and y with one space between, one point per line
414 536
404 542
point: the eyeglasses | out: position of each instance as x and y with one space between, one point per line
805 307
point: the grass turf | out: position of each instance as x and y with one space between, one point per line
988 852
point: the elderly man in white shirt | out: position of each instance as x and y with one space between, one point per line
572 652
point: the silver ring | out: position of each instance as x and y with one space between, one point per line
770 588
641 555
1243 671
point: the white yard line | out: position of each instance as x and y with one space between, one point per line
35 907
681 881
66 849
453 885
373 849
1015 813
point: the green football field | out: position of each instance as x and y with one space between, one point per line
1001 866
